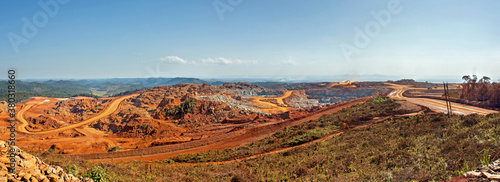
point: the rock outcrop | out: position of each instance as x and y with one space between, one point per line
31 168
490 172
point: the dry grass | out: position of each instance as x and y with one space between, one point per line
425 147
299 134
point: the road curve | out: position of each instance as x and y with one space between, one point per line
284 96
272 107
106 112
227 140
437 105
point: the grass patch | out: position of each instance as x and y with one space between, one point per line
296 135
426 147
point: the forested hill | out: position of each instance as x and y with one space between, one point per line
25 90
89 87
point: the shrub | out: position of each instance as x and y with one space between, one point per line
97 174
114 149
72 169
380 100
188 106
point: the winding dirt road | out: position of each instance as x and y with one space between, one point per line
241 136
433 104
436 105
106 112
272 107
227 140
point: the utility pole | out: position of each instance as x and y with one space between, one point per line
448 89
447 98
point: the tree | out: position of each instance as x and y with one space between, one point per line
496 94
189 106
473 86
484 84
480 90
465 87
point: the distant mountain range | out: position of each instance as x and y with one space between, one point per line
98 87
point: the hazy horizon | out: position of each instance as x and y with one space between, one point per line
336 78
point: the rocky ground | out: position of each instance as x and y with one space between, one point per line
299 99
246 90
486 173
58 112
161 115
31 168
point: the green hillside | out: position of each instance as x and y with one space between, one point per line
426 147
25 90
97 87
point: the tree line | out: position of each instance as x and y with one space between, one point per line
480 89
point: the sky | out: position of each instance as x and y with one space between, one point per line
419 39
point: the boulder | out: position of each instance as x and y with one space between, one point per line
31 168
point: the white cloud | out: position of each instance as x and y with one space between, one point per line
218 60
221 60
289 61
174 60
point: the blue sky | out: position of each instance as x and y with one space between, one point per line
250 38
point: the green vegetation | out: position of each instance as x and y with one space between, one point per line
425 147
26 90
112 89
187 106
380 100
72 169
415 83
86 95
96 87
120 86
114 149
295 135
96 92
97 174
127 92
481 90
485 160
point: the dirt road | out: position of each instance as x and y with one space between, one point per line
436 105
106 112
271 106
285 95
227 140
321 139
